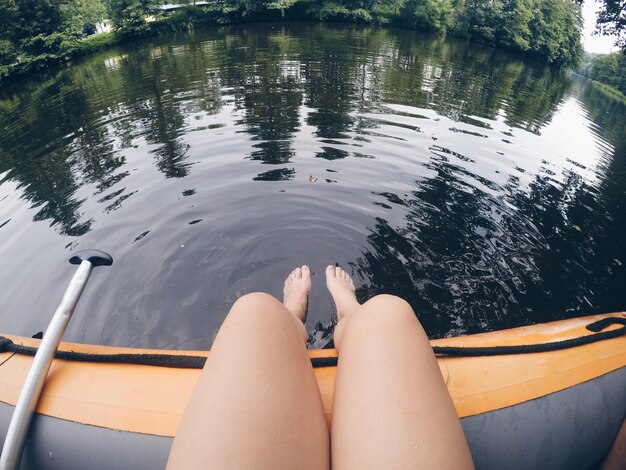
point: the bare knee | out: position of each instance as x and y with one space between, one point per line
259 311
387 309
255 301
253 308
381 316
389 303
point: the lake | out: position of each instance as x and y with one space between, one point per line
487 190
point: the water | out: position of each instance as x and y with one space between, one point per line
485 190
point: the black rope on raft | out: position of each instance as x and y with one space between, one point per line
197 362
458 351
159 360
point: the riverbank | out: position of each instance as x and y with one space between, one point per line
184 20
72 50
496 26
606 72
608 90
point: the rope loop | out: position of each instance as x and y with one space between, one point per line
4 344
602 324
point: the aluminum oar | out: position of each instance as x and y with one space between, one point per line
27 401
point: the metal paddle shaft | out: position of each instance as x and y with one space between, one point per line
27 401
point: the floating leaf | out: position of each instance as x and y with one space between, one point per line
312 179
578 229
618 262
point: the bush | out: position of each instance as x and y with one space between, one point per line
56 44
8 54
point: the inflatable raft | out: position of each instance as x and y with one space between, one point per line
553 409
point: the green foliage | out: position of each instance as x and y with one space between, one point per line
8 54
555 32
514 25
43 30
129 16
337 11
358 11
7 15
429 14
281 5
607 68
612 21
386 11
57 44
483 19
549 30
97 42
79 14
35 17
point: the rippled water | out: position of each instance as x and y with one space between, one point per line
487 191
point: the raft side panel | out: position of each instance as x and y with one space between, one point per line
570 429
58 444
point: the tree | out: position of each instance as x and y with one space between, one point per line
429 14
7 16
281 5
612 21
55 44
555 32
35 17
130 15
8 54
79 14
483 18
31 28
514 26
607 68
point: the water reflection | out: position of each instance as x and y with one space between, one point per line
337 83
486 190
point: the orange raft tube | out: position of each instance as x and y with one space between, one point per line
559 409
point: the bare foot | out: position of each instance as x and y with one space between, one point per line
342 289
296 291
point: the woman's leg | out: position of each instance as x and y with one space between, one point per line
391 407
616 458
257 404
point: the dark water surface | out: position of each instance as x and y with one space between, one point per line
487 191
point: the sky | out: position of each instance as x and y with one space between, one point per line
591 43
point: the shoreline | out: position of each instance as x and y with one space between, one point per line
186 21
609 90
10 74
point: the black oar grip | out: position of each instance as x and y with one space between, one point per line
95 257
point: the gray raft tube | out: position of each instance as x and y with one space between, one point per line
570 429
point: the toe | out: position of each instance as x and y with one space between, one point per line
297 273
330 271
306 271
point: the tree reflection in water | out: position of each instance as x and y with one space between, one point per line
270 105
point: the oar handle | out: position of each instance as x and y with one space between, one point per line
27 401
95 257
